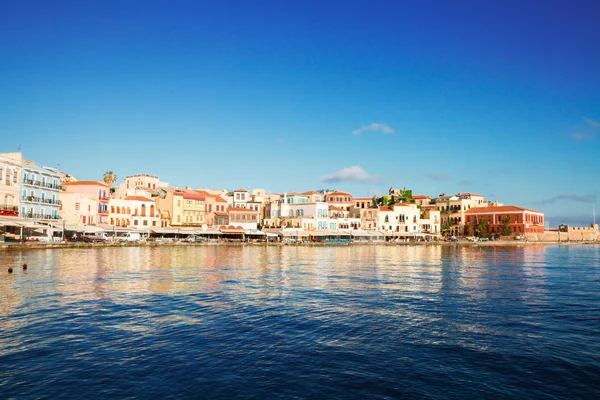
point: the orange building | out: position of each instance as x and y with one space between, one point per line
520 220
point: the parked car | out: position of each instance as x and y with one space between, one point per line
130 237
94 237
454 239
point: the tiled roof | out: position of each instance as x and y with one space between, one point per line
493 209
220 213
420 196
84 183
334 208
191 196
311 192
138 198
385 208
220 199
240 190
363 198
338 193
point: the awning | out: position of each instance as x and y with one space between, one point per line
4 222
294 233
233 230
360 233
254 232
92 229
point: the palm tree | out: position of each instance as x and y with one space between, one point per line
109 178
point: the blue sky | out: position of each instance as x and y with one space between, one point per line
497 98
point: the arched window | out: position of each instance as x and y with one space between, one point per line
143 210
387 219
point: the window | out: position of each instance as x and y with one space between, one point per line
145 222
77 205
135 222
178 203
83 219
179 218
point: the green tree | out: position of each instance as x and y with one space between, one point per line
445 229
506 226
471 229
483 227
109 178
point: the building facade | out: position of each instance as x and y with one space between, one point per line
453 209
10 182
93 189
40 188
518 220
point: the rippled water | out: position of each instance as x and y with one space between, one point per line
301 322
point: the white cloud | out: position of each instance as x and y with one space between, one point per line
350 174
375 126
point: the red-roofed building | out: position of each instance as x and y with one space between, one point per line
244 217
134 212
519 220
339 199
421 199
75 208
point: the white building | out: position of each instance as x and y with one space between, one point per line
78 210
135 212
400 218
10 182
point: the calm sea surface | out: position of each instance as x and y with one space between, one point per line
300 322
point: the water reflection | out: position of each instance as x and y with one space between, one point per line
267 272
372 316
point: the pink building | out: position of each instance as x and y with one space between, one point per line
95 190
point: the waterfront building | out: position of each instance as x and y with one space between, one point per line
135 212
10 182
296 213
98 191
339 199
40 187
401 218
430 221
519 220
181 207
78 210
243 217
453 209
188 209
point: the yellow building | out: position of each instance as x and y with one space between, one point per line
188 209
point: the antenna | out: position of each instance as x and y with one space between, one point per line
594 212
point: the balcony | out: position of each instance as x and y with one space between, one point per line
102 212
39 216
52 186
35 199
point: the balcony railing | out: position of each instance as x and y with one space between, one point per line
31 182
35 199
39 216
